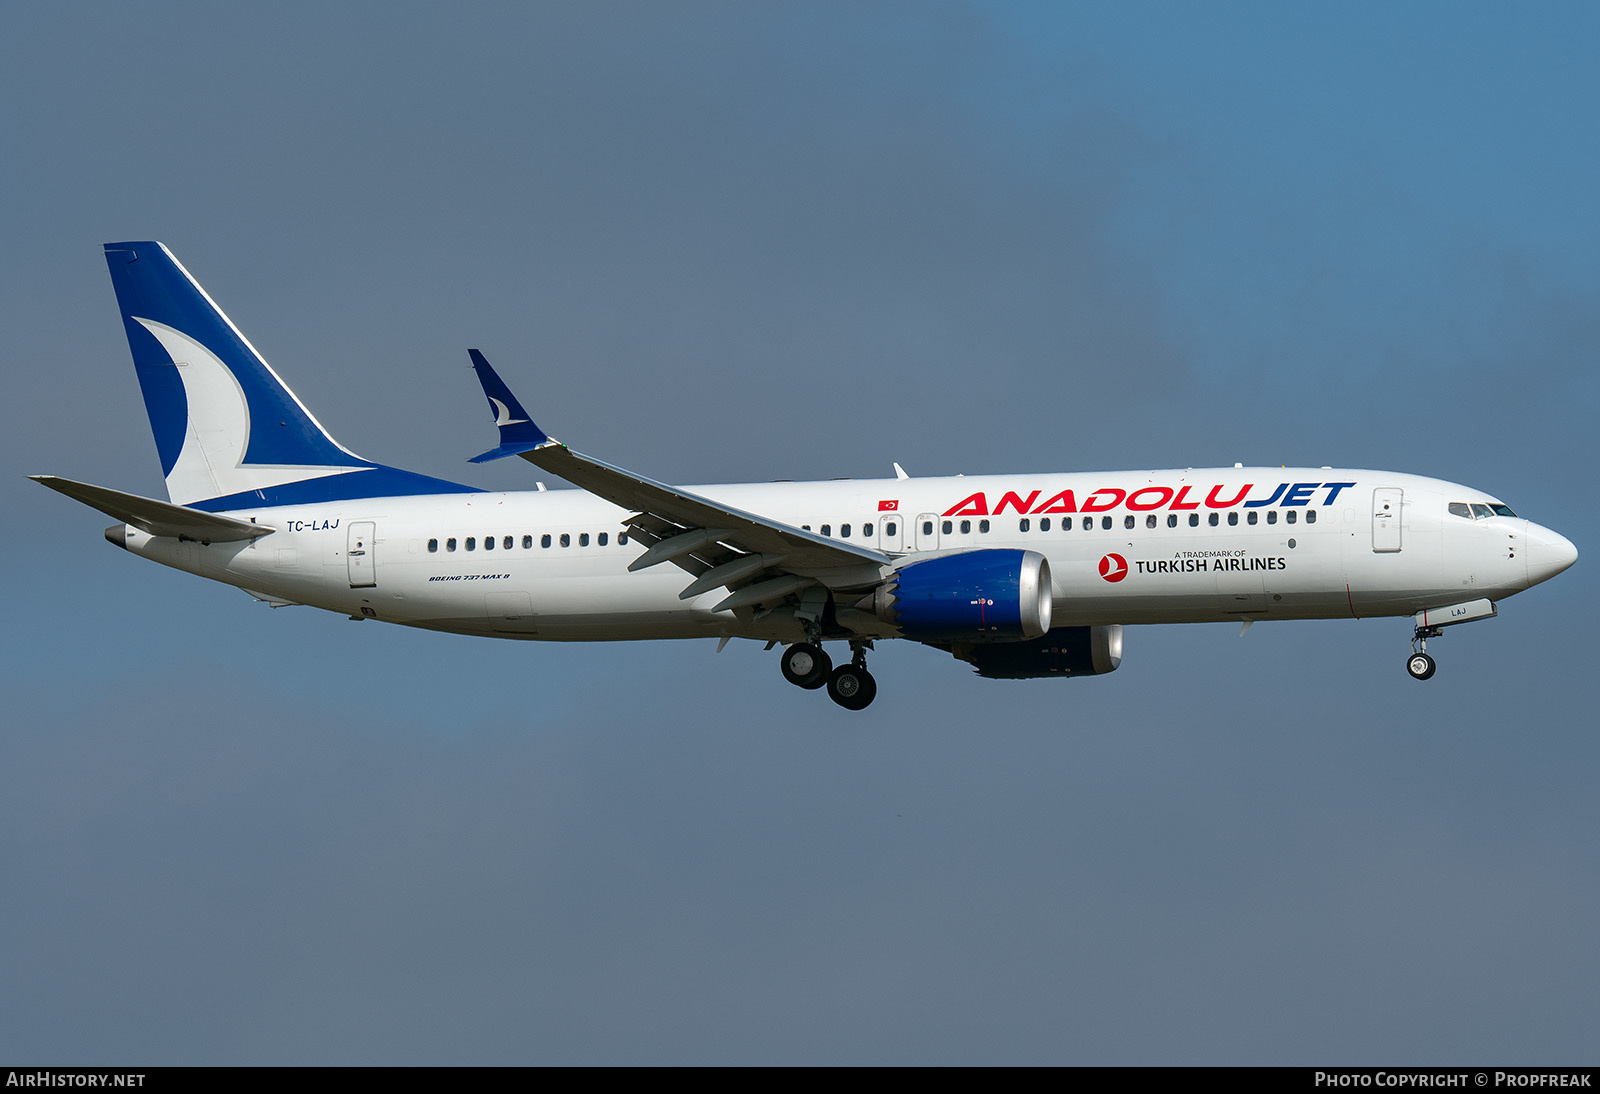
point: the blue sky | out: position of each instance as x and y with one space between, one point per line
717 242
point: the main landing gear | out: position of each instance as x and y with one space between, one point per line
1420 665
806 665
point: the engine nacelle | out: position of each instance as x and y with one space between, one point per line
1065 651
997 595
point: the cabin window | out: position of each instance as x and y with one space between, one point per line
602 538
983 526
1311 516
1194 520
945 528
1233 518
527 543
506 543
1172 520
450 544
1022 525
891 529
1128 521
544 540
1251 518
566 539
433 546
1105 523
1272 516
1044 524
1066 524
866 529
472 543
1150 521
844 531
827 529
1289 517
805 527
622 539
1213 520
583 539
488 543
927 527
966 527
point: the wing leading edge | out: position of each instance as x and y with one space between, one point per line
760 561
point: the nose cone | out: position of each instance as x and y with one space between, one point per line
1548 553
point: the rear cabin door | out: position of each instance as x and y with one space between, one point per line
360 556
1386 502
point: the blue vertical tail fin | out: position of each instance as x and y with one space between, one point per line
229 432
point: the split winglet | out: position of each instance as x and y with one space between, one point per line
518 433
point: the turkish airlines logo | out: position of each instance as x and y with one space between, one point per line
1113 567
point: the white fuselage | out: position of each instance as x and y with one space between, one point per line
1317 543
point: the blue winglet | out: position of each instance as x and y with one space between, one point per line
518 433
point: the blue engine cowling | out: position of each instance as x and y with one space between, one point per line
1065 651
997 595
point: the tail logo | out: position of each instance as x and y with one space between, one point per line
211 462
502 416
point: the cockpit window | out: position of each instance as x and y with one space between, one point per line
1479 511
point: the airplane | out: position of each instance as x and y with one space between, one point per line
1020 576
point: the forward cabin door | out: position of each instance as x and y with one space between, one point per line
359 554
1386 502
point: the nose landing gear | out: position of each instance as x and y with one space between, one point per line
1420 665
1430 623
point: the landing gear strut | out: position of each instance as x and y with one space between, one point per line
1420 665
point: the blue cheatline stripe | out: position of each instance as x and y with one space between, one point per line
377 482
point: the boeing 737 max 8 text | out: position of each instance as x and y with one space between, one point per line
1019 575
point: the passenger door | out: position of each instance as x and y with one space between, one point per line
1386 505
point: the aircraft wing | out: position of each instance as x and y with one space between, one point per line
158 518
759 560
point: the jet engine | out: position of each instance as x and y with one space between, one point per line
1065 651
996 595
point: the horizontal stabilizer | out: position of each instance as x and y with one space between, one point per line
158 518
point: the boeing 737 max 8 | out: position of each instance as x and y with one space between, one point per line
1019 575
